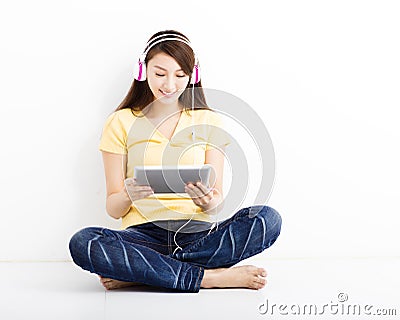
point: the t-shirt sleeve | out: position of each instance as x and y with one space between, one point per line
217 137
113 138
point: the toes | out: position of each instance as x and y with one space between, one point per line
259 284
103 280
262 272
108 285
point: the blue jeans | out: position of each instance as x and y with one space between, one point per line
145 253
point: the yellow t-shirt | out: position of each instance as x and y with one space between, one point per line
136 136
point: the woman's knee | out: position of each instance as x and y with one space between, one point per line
79 242
271 218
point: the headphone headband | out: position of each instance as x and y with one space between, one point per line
148 47
167 35
173 35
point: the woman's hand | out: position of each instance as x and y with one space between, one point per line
200 194
135 191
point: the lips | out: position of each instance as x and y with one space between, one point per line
167 94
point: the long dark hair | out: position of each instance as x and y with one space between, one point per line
139 95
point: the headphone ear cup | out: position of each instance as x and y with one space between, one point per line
195 78
139 70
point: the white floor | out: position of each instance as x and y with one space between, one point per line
60 290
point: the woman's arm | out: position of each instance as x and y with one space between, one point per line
118 202
210 202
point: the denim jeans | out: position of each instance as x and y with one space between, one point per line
145 253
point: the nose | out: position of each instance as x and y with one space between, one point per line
169 84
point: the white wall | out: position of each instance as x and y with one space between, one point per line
324 75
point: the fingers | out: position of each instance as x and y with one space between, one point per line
203 188
131 182
198 189
140 188
194 191
199 193
136 191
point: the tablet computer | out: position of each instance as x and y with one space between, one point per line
171 179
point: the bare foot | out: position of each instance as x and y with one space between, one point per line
235 277
111 284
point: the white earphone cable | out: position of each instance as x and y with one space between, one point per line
194 162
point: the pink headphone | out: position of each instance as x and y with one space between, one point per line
140 67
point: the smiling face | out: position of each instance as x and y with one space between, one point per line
166 78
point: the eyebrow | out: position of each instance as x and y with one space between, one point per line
165 69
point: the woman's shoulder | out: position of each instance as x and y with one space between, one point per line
122 113
122 116
119 121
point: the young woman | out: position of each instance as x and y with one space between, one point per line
152 126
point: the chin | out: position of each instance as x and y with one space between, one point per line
167 101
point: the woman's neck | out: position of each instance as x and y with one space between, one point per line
159 110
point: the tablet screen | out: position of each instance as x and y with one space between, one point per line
171 179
